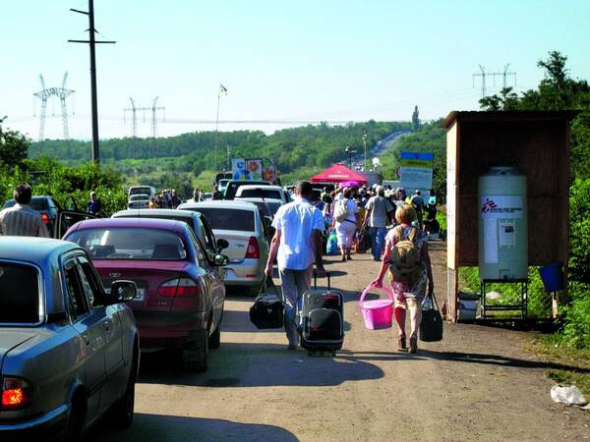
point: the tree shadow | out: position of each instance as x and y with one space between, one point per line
148 427
260 365
478 358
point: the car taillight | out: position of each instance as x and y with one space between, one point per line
179 287
16 393
45 218
253 251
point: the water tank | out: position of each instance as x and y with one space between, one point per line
503 225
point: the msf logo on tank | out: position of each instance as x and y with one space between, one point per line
488 206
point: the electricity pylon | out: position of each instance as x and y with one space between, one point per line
44 94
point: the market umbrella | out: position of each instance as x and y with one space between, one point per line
338 173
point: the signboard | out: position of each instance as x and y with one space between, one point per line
416 170
254 169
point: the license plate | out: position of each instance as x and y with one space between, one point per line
140 296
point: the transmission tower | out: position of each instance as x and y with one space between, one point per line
504 74
133 111
44 94
153 109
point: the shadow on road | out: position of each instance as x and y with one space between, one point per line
153 427
260 365
239 322
478 358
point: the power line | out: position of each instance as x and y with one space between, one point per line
483 74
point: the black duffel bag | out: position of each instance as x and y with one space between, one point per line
267 310
431 326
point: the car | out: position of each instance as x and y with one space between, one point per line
180 299
138 201
233 185
257 191
268 206
69 351
50 210
241 224
195 220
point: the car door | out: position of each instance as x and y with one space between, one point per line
67 218
213 280
113 334
88 322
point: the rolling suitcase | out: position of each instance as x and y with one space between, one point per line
321 320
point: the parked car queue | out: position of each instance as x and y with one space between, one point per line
116 287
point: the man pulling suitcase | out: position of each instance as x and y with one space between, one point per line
296 245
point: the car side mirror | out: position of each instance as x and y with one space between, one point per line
222 244
122 291
221 260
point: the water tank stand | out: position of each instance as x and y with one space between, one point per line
524 296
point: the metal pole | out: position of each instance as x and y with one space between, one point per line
365 144
216 128
93 88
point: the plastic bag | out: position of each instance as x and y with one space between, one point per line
567 395
332 244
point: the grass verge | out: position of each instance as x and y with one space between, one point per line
571 365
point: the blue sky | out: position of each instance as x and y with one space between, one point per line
304 60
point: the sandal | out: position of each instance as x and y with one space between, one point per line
413 343
401 343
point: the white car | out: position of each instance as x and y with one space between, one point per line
268 206
138 201
266 192
242 226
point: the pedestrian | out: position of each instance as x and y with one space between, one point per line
408 296
21 219
346 228
94 206
296 245
418 203
379 213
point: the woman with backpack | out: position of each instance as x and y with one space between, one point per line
346 218
410 271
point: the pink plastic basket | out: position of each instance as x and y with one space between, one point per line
377 313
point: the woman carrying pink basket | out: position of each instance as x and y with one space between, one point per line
408 279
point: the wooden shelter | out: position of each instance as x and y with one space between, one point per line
536 143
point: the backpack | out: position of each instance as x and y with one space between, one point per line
405 265
341 210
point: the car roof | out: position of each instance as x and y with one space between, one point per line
260 186
153 223
151 213
224 204
32 249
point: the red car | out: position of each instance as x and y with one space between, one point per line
180 296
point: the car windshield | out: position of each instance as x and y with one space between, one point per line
36 203
130 243
139 197
222 218
264 207
138 190
19 294
260 193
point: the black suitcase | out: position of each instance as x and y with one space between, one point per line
321 320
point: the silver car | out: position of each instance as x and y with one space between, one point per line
242 226
69 352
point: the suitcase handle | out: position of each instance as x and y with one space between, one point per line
315 279
368 289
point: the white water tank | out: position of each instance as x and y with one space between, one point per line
503 225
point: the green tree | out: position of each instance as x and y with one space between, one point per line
13 146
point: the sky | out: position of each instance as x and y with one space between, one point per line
284 63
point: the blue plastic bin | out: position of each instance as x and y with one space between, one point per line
552 276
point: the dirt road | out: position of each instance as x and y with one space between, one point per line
478 384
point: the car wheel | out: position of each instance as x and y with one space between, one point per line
121 413
215 338
194 355
76 418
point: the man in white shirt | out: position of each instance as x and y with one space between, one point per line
21 219
297 243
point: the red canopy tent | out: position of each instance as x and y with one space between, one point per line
338 173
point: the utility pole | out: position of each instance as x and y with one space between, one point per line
365 146
93 89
